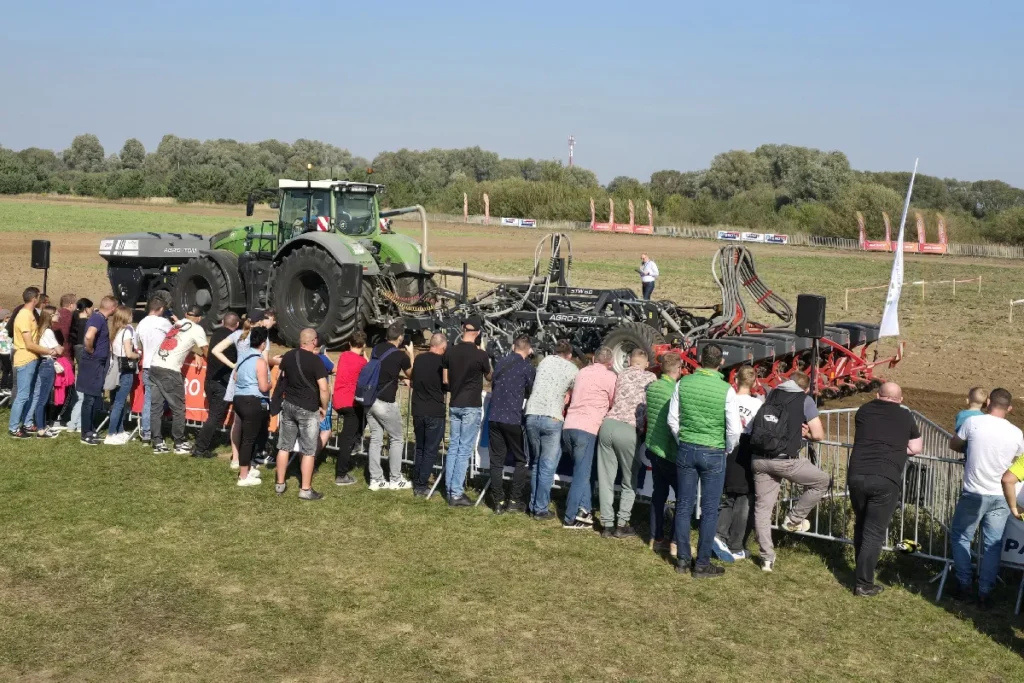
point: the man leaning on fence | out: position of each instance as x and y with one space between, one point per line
990 443
886 434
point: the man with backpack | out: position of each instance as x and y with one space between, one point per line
377 392
301 396
787 418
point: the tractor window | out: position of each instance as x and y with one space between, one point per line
355 213
293 210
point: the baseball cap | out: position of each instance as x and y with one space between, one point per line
255 317
472 323
194 312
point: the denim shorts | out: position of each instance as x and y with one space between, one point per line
298 424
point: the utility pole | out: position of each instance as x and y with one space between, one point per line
572 146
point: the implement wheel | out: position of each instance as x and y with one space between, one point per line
622 340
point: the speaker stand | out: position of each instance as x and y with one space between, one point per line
46 273
814 370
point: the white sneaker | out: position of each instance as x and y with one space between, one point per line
721 551
802 527
379 485
253 473
116 439
767 566
234 465
58 428
249 481
399 484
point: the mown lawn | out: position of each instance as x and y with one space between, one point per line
120 566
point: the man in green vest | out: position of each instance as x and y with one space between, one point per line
703 415
661 445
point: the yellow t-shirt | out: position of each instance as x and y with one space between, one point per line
24 322
1018 468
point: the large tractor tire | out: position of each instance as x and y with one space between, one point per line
305 289
201 282
623 339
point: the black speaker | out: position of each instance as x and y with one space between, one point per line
41 254
810 315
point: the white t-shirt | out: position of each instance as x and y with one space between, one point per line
649 271
48 339
184 336
992 445
117 348
748 406
150 335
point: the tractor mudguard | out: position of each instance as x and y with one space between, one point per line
228 264
401 251
343 250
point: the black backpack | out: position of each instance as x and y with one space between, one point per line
769 433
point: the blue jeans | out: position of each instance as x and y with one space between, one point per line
41 392
465 427
990 512
582 445
543 436
117 411
144 422
21 407
707 465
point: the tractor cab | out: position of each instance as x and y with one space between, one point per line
338 206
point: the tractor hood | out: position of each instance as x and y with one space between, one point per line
156 247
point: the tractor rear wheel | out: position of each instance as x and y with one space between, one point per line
201 282
305 289
627 337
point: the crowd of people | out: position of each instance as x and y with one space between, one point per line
697 429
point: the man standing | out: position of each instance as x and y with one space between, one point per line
886 435
216 385
661 445
346 375
592 395
465 367
991 443
92 368
703 417
513 380
617 451
26 362
648 274
150 335
184 338
302 393
770 469
384 415
544 411
428 409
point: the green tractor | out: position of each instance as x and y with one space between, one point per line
329 261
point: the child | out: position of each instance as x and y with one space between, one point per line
326 425
6 349
46 373
977 398
737 506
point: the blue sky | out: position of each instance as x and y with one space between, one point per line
642 86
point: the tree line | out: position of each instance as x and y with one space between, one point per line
775 188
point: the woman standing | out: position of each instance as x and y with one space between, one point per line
125 360
251 402
73 406
46 338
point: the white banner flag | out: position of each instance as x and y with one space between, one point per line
891 315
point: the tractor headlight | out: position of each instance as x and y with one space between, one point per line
358 249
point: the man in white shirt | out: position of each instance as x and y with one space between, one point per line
648 274
148 338
991 443
184 338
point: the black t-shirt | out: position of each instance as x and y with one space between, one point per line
467 364
880 444
390 368
427 386
302 370
215 370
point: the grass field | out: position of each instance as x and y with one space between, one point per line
120 566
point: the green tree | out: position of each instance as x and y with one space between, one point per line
133 154
734 172
85 154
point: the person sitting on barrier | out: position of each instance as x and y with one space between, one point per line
775 457
977 400
593 394
513 379
466 366
150 335
222 360
990 443
545 412
623 427
384 416
428 412
303 400
886 435
661 448
123 354
252 388
705 421
183 339
92 368
350 363
736 511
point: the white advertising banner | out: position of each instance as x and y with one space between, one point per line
891 315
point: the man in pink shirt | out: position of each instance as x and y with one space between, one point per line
592 398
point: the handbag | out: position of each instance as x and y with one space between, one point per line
126 365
